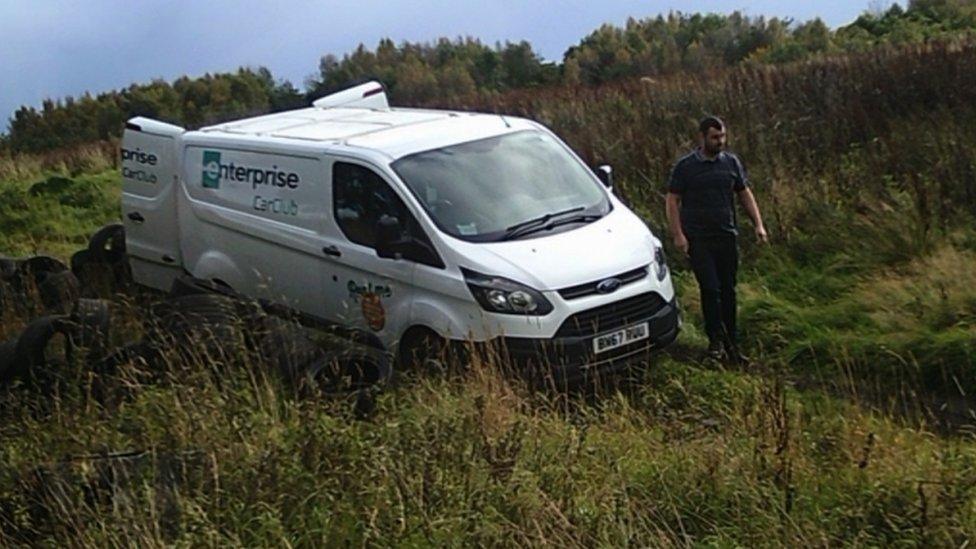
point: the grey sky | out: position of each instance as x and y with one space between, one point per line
52 48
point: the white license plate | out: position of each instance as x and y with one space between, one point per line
620 338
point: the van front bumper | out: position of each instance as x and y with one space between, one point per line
569 358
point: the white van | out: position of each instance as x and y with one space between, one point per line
401 226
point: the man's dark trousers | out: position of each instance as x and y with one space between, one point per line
715 260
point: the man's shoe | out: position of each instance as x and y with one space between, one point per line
714 351
736 356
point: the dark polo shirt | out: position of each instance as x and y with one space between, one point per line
707 189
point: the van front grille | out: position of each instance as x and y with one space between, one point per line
589 288
611 316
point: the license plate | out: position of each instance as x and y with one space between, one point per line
620 338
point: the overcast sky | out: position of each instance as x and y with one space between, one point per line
52 48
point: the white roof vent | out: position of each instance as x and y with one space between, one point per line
370 95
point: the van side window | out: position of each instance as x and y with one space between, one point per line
360 197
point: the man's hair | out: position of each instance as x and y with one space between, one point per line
710 122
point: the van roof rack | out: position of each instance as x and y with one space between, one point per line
371 95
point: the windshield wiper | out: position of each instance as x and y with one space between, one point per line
511 232
547 222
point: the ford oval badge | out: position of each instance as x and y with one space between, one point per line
608 286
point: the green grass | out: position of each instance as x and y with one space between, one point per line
688 454
55 215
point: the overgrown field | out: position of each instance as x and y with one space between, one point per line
855 426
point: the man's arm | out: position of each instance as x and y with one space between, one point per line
749 203
673 211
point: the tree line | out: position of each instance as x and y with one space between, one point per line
450 71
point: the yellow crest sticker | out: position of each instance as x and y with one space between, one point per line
370 298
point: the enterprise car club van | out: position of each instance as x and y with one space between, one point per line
402 225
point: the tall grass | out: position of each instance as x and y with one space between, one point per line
89 158
223 456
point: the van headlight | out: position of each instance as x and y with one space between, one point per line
660 263
501 295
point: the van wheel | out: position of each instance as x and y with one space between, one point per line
422 350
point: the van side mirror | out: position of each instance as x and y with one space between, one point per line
393 242
388 237
605 174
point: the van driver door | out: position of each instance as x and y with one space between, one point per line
370 294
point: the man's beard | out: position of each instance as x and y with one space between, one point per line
712 150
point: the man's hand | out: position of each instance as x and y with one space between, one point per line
681 242
673 211
761 234
749 202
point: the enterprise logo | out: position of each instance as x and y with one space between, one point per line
211 170
214 171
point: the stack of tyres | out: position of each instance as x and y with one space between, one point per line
103 267
199 321
27 358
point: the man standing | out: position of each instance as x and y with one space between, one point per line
701 214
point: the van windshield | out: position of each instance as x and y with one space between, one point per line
479 191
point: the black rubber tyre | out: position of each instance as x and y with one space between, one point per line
426 352
90 322
8 353
59 291
204 322
8 267
39 266
198 309
79 260
107 245
30 273
30 354
5 294
249 310
288 348
347 370
98 278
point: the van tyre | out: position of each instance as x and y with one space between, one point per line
424 351
343 371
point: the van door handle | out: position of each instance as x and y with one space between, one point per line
332 250
136 217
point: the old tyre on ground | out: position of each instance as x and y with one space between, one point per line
8 352
107 245
30 359
89 323
58 290
198 325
